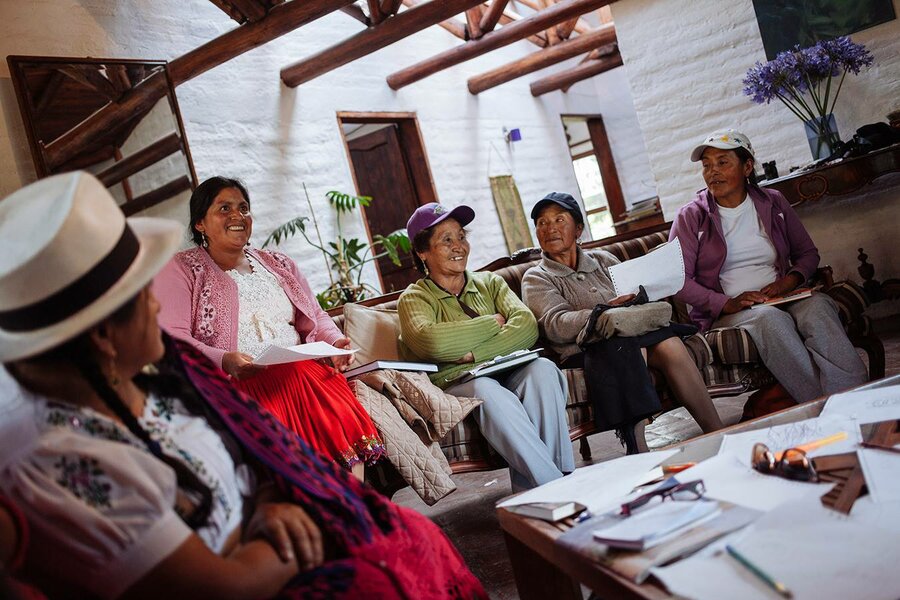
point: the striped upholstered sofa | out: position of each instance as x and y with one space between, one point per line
727 358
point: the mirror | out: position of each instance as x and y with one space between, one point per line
143 159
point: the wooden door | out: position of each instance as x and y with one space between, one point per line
383 173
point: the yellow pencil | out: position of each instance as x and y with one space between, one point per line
809 446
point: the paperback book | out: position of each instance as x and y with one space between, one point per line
396 365
548 511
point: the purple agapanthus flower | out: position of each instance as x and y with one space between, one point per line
801 78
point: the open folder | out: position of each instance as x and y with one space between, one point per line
276 355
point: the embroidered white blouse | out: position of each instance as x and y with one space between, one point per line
265 314
91 490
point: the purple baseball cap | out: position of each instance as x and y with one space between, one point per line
429 215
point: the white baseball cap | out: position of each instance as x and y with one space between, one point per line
728 139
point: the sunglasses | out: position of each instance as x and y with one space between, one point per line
792 464
671 490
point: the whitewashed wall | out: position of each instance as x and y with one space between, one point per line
685 62
241 121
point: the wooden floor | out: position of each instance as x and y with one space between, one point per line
467 515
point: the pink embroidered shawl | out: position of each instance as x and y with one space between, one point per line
199 301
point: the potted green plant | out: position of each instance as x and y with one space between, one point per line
344 257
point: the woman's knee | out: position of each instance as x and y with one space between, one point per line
668 352
774 321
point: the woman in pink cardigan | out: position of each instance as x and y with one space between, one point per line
232 301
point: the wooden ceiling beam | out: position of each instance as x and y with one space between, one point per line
160 194
118 76
552 55
140 160
229 9
280 20
251 9
552 36
355 11
91 77
365 42
390 7
558 81
539 39
375 14
452 25
473 22
564 30
492 15
504 36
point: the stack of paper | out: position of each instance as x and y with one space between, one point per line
650 526
276 355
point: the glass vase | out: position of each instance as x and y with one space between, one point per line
822 135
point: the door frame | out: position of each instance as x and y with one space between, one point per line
413 148
615 198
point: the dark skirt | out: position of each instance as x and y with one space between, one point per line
617 378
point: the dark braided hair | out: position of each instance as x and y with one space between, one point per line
79 352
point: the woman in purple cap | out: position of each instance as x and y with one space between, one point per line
460 319
743 245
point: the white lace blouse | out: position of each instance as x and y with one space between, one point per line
265 314
92 491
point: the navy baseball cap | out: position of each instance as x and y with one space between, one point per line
562 199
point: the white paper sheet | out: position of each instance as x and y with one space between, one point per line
727 478
276 355
815 552
597 486
788 435
866 406
661 272
882 471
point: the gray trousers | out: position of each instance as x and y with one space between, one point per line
523 417
804 345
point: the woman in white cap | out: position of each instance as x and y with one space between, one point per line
460 319
743 245
143 482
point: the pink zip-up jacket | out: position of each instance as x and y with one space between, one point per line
199 301
698 228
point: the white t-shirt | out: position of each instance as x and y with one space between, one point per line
750 256
103 503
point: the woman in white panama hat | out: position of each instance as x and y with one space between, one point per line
743 245
138 483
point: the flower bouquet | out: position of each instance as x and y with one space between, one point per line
804 81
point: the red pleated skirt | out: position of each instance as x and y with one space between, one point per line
315 402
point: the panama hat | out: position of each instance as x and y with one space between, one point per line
723 140
69 259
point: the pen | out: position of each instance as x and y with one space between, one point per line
672 469
807 447
767 579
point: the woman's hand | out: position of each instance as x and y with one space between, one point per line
467 358
619 300
742 301
290 530
501 320
782 286
342 363
240 366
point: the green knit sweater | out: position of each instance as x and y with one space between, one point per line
434 328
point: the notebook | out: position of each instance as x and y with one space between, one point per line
397 365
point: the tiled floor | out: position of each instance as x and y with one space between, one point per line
467 515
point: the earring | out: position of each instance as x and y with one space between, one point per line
425 266
205 242
248 243
114 380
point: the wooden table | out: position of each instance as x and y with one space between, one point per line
544 569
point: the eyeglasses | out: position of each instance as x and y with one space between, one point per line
691 490
792 463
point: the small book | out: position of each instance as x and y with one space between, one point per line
548 511
652 526
798 294
397 365
500 364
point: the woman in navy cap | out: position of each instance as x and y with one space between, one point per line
460 319
563 290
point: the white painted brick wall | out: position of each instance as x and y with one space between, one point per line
685 61
241 121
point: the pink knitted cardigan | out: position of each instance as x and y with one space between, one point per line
199 301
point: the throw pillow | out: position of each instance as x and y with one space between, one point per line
374 331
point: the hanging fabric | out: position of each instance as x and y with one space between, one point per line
509 207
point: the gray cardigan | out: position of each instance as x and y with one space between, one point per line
562 299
